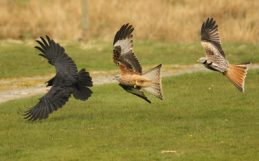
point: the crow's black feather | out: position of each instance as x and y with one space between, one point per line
65 83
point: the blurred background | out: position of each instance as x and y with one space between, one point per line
162 20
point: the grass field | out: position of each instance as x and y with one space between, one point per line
17 59
203 117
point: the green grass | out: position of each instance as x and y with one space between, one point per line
203 117
18 60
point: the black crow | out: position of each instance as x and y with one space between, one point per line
67 81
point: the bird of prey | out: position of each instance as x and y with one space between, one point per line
215 57
130 77
67 81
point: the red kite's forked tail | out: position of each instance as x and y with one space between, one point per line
156 85
237 74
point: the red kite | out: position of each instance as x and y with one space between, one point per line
215 57
131 77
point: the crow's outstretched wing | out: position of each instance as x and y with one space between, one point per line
51 101
122 49
55 54
135 91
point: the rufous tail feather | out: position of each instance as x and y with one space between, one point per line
237 74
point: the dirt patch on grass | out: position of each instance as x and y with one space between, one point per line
16 88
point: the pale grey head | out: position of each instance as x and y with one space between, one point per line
202 60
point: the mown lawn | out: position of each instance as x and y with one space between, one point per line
21 59
203 117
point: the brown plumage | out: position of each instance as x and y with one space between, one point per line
215 57
131 77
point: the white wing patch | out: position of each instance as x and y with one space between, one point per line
210 49
126 45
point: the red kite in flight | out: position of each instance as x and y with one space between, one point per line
131 77
215 57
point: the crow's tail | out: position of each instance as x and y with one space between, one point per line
81 90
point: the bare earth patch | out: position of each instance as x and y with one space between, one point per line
15 88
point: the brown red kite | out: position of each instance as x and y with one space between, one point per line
215 56
131 77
